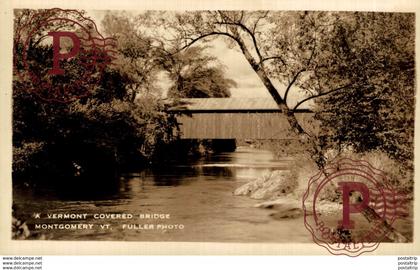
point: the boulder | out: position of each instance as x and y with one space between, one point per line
274 184
251 186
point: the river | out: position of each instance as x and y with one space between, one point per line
196 200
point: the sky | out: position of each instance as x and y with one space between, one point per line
236 66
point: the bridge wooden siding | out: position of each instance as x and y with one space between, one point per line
239 118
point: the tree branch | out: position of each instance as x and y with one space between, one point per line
242 16
291 83
247 30
300 71
194 40
258 20
272 57
319 95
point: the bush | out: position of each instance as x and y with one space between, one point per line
396 171
25 154
398 175
53 139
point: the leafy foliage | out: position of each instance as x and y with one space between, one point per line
96 133
192 72
377 112
196 75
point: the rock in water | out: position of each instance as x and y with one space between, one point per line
271 185
251 186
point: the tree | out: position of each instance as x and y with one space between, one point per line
98 133
377 113
306 51
136 59
143 57
196 75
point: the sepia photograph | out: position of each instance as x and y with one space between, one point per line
218 126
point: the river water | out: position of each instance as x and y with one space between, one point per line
195 200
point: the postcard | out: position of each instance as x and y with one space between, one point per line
209 128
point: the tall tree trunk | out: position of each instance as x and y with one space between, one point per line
316 152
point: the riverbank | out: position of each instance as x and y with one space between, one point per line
283 191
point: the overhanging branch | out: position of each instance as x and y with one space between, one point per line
291 83
194 40
319 95
250 33
271 58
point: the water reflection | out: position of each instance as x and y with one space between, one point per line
244 163
197 195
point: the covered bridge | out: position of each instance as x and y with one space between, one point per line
234 118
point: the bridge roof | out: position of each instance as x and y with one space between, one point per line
226 105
